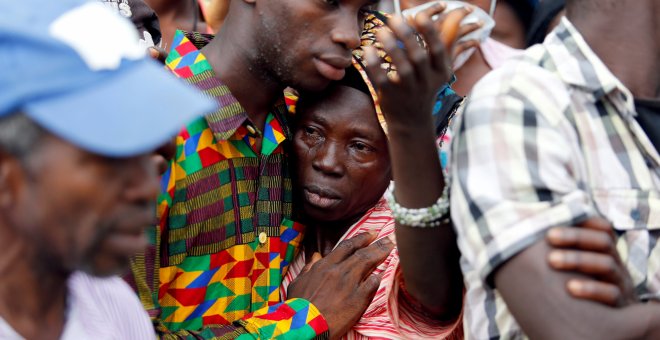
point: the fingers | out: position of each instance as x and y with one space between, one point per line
365 260
346 248
436 9
468 28
451 25
583 239
597 223
377 75
436 49
603 266
464 46
157 53
315 258
370 285
412 60
605 293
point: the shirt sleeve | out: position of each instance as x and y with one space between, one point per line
292 319
514 164
412 321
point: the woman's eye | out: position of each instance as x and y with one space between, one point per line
362 147
310 131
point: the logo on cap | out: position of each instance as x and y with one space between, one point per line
104 40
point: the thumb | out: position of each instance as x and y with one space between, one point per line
315 258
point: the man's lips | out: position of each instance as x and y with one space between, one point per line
333 68
321 198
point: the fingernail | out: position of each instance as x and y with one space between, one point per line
555 234
575 286
481 23
556 258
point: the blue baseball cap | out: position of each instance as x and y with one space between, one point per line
77 69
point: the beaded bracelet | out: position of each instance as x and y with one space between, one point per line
430 217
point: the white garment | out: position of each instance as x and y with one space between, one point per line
99 308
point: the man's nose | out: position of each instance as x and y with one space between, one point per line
347 29
143 180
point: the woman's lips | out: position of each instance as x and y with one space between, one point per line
320 199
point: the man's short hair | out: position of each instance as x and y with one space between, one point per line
19 135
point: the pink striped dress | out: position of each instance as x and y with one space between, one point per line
388 316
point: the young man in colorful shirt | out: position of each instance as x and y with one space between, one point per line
553 139
225 234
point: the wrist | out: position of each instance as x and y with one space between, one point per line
411 128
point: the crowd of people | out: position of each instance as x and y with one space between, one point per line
340 169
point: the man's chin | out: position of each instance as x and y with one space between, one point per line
106 267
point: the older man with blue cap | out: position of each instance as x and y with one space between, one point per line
81 111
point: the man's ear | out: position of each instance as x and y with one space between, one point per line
10 179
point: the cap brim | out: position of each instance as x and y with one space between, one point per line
132 112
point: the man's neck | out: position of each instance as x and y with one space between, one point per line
32 297
629 45
254 90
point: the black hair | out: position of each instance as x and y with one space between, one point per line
544 14
19 135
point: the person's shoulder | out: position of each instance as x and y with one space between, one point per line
110 299
526 82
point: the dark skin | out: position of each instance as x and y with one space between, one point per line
509 29
176 14
53 223
298 50
405 99
265 46
520 279
343 163
590 249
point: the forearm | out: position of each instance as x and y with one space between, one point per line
429 256
526 280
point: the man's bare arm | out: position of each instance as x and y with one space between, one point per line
536 296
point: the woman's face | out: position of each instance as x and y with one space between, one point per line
342 160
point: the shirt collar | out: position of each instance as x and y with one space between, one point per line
187 61
578 65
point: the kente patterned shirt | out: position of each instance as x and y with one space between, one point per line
549 139
224 238
391 314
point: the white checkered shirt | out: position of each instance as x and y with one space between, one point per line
549 139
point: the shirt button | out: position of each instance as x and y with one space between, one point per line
263 237
251 129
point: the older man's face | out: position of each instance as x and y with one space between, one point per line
83 211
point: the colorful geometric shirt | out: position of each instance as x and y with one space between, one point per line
390 315
225 237
546 140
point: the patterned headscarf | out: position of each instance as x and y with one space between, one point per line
447 101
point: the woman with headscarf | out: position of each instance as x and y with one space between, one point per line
350 142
